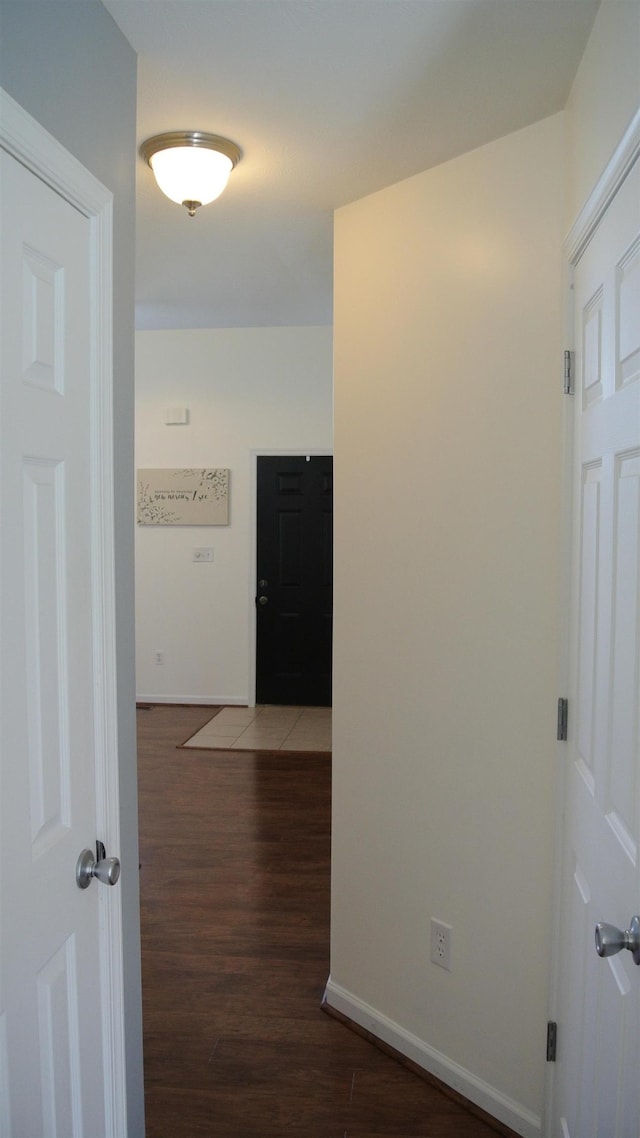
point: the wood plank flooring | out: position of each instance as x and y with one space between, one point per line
235 858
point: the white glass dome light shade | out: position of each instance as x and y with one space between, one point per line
190 174
191 168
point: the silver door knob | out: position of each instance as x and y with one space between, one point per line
107 870
610 940
263 600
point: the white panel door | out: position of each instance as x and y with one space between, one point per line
58 1039
597 1092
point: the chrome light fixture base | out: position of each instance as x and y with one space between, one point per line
182 138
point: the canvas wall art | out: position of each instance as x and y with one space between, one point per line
183 497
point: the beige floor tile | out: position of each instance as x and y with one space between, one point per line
211 730
211 742
274 736
288 718
236 715
268 743
266 728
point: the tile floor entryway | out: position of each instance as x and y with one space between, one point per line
266 729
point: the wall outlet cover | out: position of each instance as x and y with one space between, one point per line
440 948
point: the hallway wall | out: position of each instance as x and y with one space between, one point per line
448 339
448 476
247 390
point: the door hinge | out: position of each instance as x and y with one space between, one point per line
552 1041
568 373
563 720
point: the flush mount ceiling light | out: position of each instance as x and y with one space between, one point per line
191 167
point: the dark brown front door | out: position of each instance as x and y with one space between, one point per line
294 587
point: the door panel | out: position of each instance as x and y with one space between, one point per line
295 580
59 1067
597 1087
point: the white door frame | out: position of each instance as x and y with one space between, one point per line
288 452
25 140
625 155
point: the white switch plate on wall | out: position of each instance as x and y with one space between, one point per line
176 416
205 553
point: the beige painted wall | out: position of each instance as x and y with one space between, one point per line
246 389
448 349
448 491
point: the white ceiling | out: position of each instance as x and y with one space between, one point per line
329 100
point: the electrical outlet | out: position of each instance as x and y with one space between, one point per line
441 944
203 554
159 657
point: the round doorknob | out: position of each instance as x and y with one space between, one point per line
107 870
610 940
263 600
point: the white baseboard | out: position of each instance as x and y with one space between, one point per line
482 1094
205 700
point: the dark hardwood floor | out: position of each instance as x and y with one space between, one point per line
234 851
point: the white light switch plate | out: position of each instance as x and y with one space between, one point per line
205 553
176 416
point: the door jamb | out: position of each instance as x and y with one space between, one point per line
260 452
44 156
619 165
